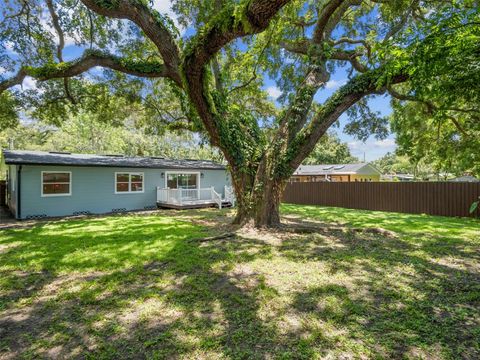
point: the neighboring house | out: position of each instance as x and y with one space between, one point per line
337 173
398 177
41 184
465 178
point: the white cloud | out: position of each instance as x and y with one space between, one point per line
371 144
274 92
165 7
385 143
8 45
355 145
335 84
29 83
46 22
373 149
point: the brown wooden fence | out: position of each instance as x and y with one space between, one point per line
3 189
434 198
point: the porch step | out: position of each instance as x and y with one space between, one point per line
226 204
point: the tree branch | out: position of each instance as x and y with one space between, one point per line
254 75
15 80
431 107
358 87
302 46
338 16
297 113
152 24
403 97
217 74
297 47
352 42
19 13
350 56
58 29
90 59
232 22
324 16
61 44
457 125
398 26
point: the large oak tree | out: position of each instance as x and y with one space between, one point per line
214 72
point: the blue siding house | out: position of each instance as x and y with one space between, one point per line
44 184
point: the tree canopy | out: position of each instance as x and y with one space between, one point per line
392 163
209 75
82 132
330 150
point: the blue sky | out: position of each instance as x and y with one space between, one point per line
372 149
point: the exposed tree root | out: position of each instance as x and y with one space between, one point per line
216 237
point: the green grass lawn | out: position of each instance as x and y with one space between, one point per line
143 286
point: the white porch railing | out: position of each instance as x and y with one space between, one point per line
195 196
217 198
229 195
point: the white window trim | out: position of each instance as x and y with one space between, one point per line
129 182
57 172
183 172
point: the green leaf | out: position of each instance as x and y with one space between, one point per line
474 207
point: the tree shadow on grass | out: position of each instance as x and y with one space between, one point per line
184 302
402 299
147 290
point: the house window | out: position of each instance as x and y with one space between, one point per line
56 183
182 180
126 183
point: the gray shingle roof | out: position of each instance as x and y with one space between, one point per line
465 178
26 157
329 169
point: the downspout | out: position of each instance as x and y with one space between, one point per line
19 191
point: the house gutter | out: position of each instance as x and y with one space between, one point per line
19 192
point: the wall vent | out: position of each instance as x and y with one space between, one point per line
60 152
36 217
150 207
77 213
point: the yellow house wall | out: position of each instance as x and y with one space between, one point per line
365 177
335 178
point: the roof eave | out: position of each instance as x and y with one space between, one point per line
219 167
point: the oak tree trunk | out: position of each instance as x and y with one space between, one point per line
258 201
267 204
